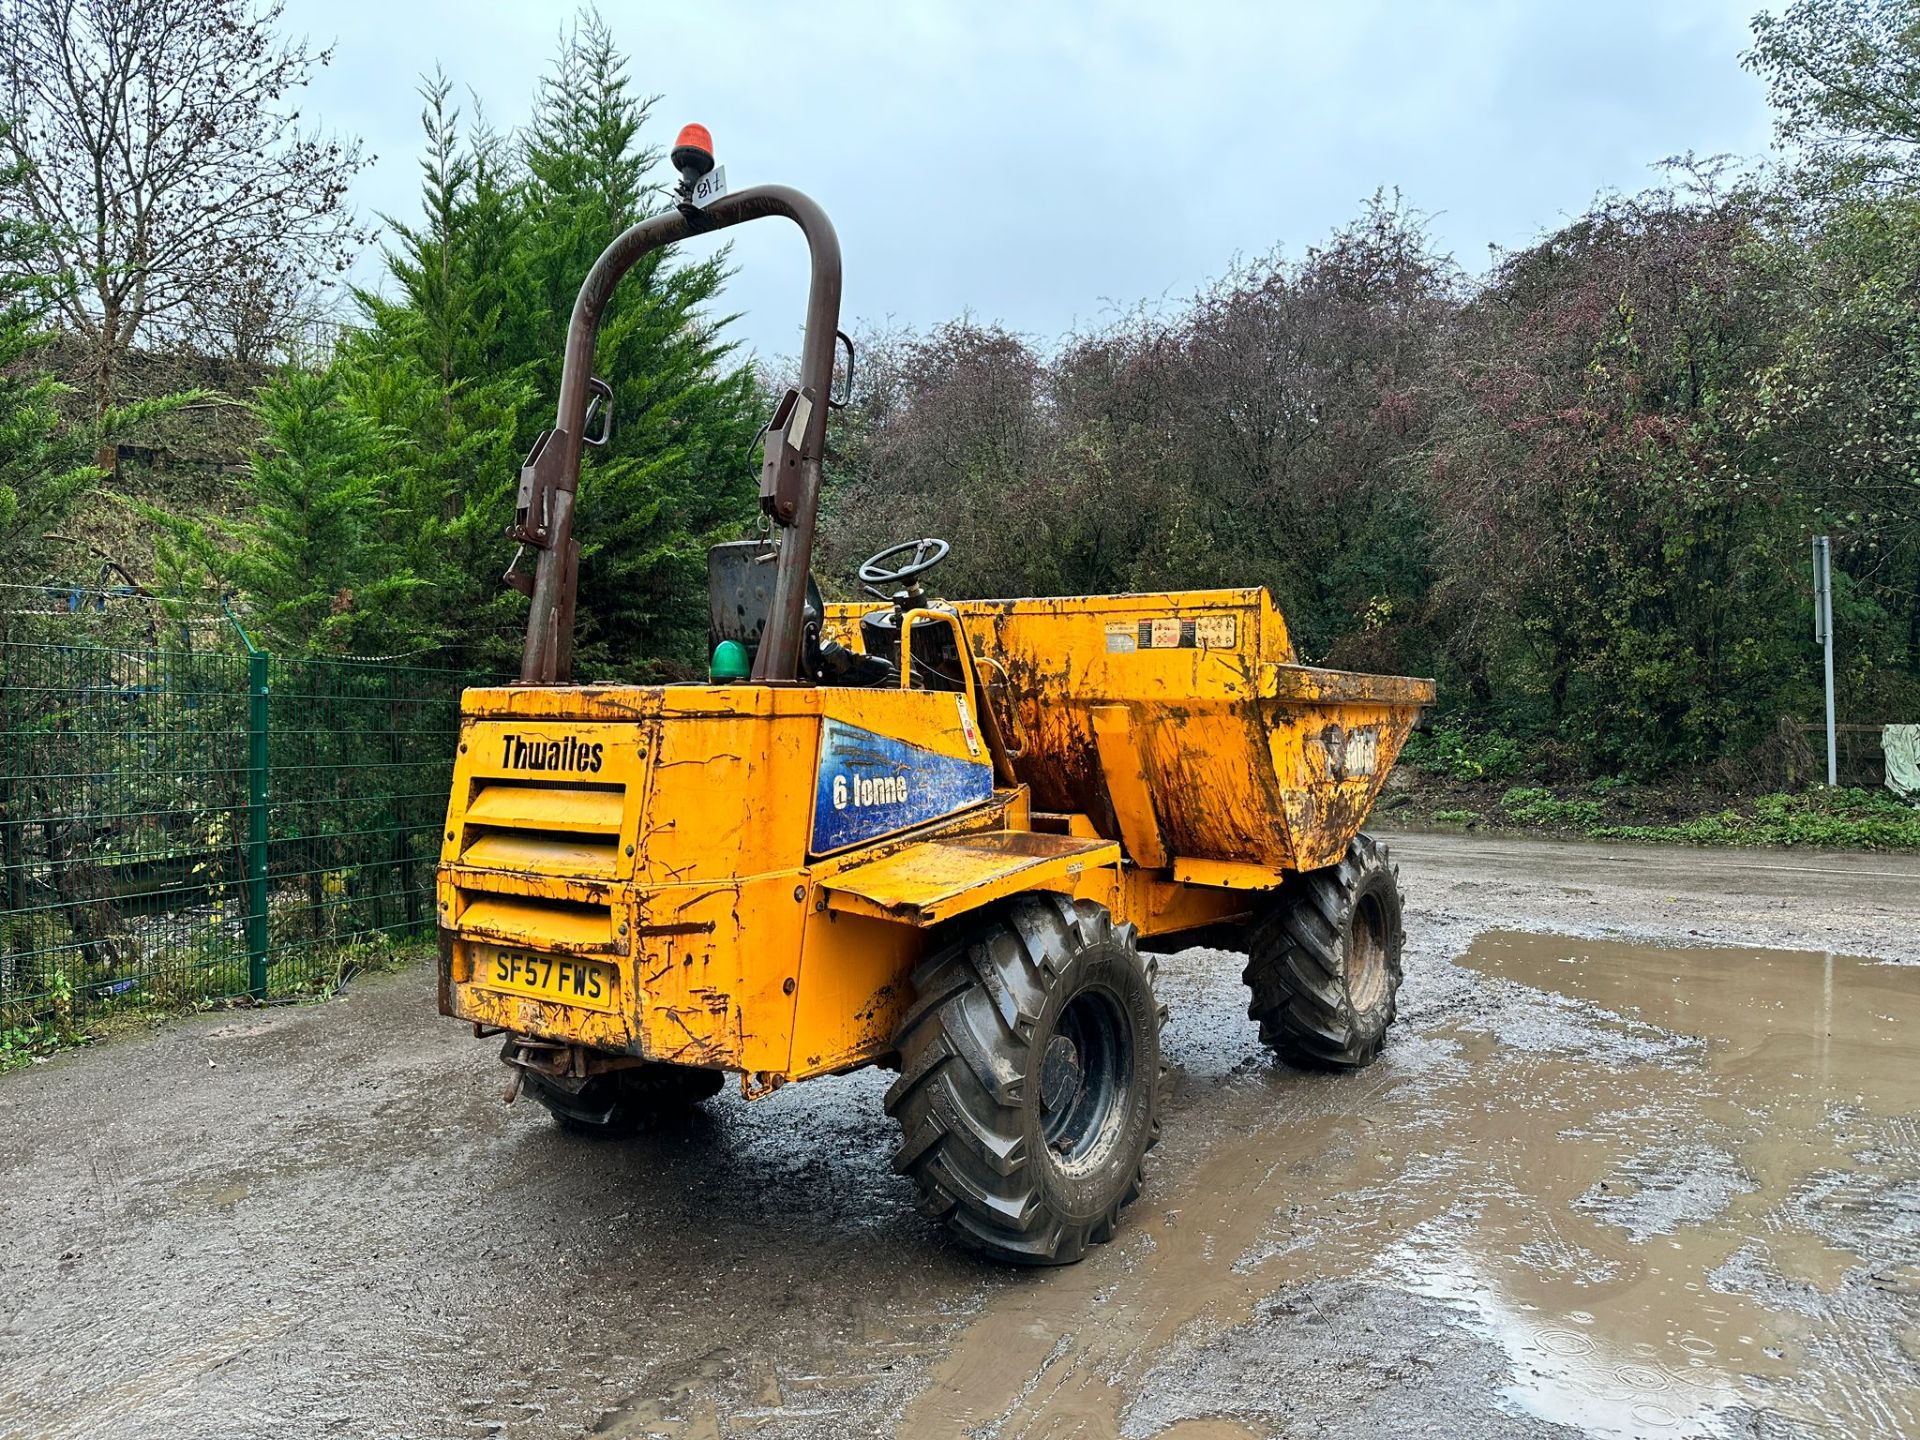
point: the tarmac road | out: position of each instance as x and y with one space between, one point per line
1603 1182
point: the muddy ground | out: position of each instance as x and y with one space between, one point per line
1602 1183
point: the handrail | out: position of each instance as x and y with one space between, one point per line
959 639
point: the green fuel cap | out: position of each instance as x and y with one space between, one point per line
729 663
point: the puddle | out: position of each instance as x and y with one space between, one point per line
1630 1192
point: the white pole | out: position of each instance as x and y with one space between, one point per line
1823 632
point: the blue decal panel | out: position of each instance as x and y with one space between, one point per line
871 785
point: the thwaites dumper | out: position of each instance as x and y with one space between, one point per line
939 837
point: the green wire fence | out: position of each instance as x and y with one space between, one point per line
185 816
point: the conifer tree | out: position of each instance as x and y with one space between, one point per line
458 368
41 473
463 358
679 473
437 370
317 555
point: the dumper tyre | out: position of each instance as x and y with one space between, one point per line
1324 966
621 1103
1030 1084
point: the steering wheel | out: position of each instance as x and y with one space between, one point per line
926 554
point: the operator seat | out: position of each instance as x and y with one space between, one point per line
740 598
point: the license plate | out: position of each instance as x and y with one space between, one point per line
562 978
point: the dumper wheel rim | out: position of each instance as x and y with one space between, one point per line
622 1103
1085 1071
1324 966
1367 972
1030 1080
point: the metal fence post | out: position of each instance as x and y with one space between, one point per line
257 777
205 818
1823 636
258 940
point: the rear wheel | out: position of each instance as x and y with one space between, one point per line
619 1103
1029 1091
1324 966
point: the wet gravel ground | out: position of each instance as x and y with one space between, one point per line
322 1221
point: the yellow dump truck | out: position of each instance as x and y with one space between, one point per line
943 837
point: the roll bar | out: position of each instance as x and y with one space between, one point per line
790 477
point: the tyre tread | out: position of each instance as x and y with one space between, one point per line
1296 971
981 996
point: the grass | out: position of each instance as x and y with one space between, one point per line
319 977
1460 777
23 1044
1824 819
1534 805
307 980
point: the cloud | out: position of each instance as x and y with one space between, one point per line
1037 163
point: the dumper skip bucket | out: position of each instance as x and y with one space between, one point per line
1183 724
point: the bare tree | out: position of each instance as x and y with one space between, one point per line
158 145
265 315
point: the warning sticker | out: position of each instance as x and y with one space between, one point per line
1170 632
1216 632
967 727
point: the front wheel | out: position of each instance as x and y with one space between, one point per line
1324 965
1029 1090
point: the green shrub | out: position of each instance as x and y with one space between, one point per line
26 1039
1461 755
1456 817
1537 806
1838 819
20 1044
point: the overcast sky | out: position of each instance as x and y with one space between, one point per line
1045 165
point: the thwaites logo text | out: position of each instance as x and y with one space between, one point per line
567 753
